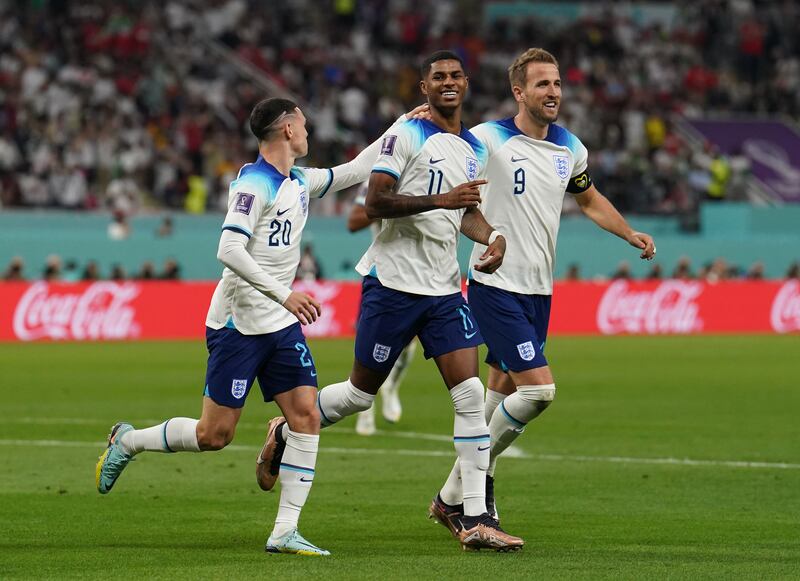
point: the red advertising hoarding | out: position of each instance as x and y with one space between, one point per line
176 310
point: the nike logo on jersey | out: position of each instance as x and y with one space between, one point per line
470 335
306 479
516 159
313 374
282 212
483 449
431 160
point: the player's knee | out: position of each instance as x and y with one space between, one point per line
305 420
214 437
468 398
538 397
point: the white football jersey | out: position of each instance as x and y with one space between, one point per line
527 179
270 209
417 254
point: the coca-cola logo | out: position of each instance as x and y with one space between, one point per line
668 308
785 313
100 311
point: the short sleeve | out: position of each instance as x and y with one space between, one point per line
316 180
248 198
395 152
581 158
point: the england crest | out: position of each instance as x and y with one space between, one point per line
562 166
526 351
239 388
472 168
381 352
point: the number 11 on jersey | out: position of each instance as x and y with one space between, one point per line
434 173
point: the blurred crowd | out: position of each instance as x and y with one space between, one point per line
56 269
716 270
121 105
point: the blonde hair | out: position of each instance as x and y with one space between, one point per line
519 68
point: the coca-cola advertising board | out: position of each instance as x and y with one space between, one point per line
177 310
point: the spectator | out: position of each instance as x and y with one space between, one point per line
52 269
794 270
147 271
118 272
309 268
71 273
90 272
573 272
756 271
683 270
171 271
14 271
623 271
656 273
166 228
119 228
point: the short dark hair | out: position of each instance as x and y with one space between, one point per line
266 112
439 55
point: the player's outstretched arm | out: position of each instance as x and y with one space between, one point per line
602 212
384 202
358 169
475 227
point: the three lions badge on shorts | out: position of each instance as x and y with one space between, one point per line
526 350
380 353
239 388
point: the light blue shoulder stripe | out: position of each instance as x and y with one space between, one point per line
387 171
258 184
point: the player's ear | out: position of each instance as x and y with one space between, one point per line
518 95
423 88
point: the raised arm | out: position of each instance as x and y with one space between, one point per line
602 212
358 169
475 227
384 202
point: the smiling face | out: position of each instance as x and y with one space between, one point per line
540 96
445 85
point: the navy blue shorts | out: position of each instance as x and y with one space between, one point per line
390 319
281 361
514 325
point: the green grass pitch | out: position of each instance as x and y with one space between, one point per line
661 458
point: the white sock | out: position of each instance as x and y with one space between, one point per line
471 438
296 475
451 492
514 413
174 435
493 399
340 400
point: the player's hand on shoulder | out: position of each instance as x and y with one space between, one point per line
420 112
491 260
465 195
303 306
643 242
